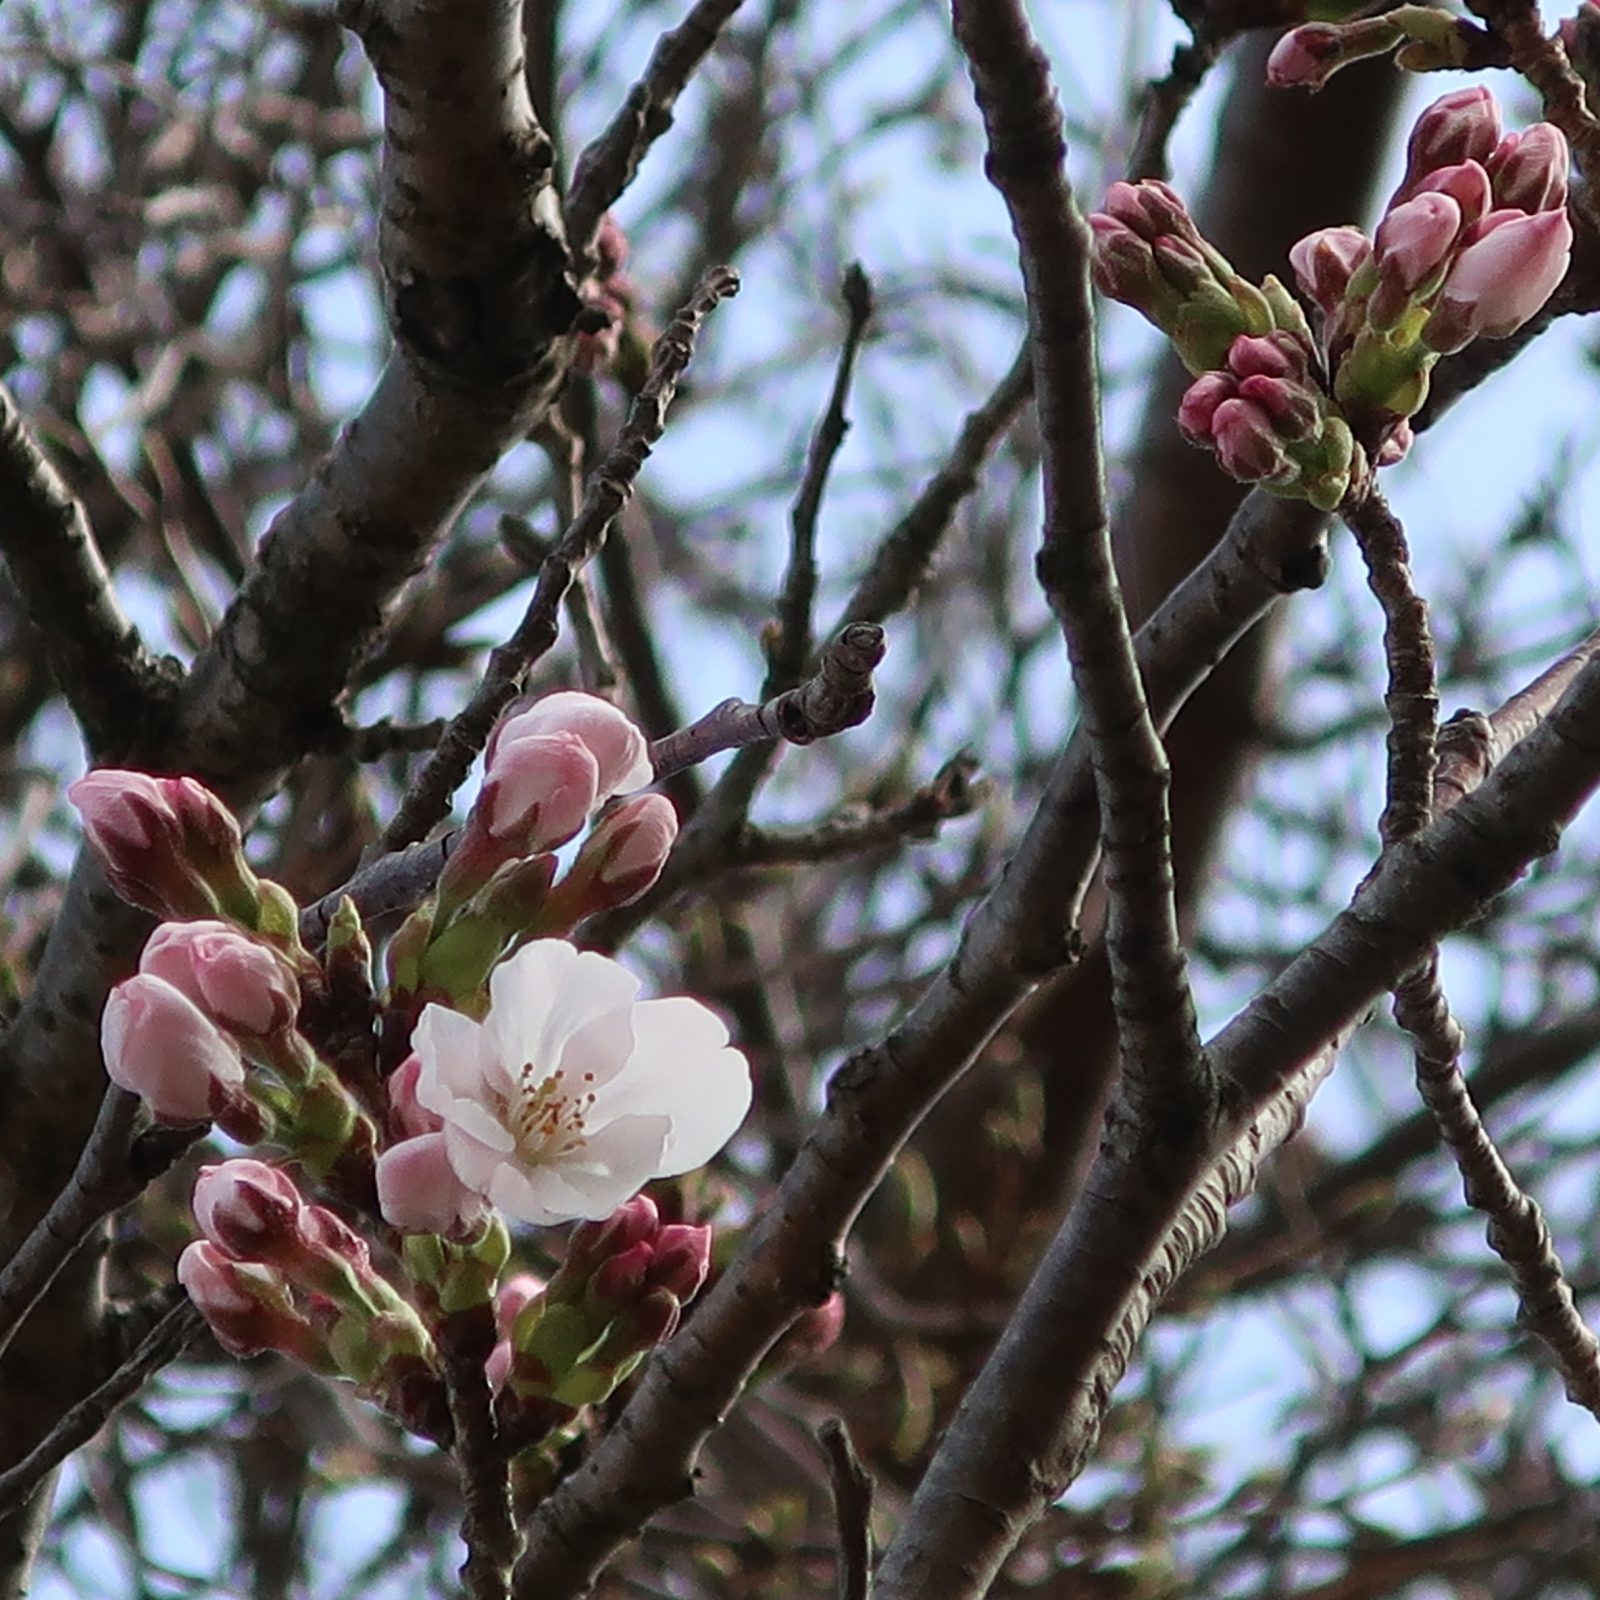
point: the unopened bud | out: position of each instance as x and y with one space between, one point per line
1528 170
248 1209
1324 262
242 984
1247 444
163 1048
1461 126
1415 240
1502 278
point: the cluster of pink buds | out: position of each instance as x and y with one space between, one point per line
1256 400
1149 254
273 1272
1471 246
205 1031
503 1074
1270 421
549 768
171 847
618 1293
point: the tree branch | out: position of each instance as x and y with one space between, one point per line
1018 934
609 164
118 692
1165 1092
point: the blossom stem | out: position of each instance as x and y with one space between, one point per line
488 1530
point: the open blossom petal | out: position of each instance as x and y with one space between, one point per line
672 1032
571 1094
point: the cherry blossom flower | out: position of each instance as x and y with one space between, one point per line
572 1094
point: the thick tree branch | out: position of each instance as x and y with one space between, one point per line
1165 1092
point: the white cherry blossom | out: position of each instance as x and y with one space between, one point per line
572 1093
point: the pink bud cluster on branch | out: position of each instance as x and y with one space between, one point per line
1471 245
501 1074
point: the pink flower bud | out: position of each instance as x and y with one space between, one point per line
1199 405
325 1233
163 1048
1506 273
1461 126
1182 265
1151 209
519 1290
497 1366
419 1192
620 1279
619 748
161 840
247 1208
1528 170
630 845
1268 355
1292 406
815 1331
1397 442
241 984
1247 444
1467 183
633 1222
1306 57
247 1305
1324 263
1414 240
540 789
682 1260
408 1117
1123 266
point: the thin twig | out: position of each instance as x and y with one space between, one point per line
838 695
1517 1231
428 798
1412 693
789 638
115 688
165 1342
1165 99
597 672
907 552
607 166
113 1168
852 1509
955 791
790 648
